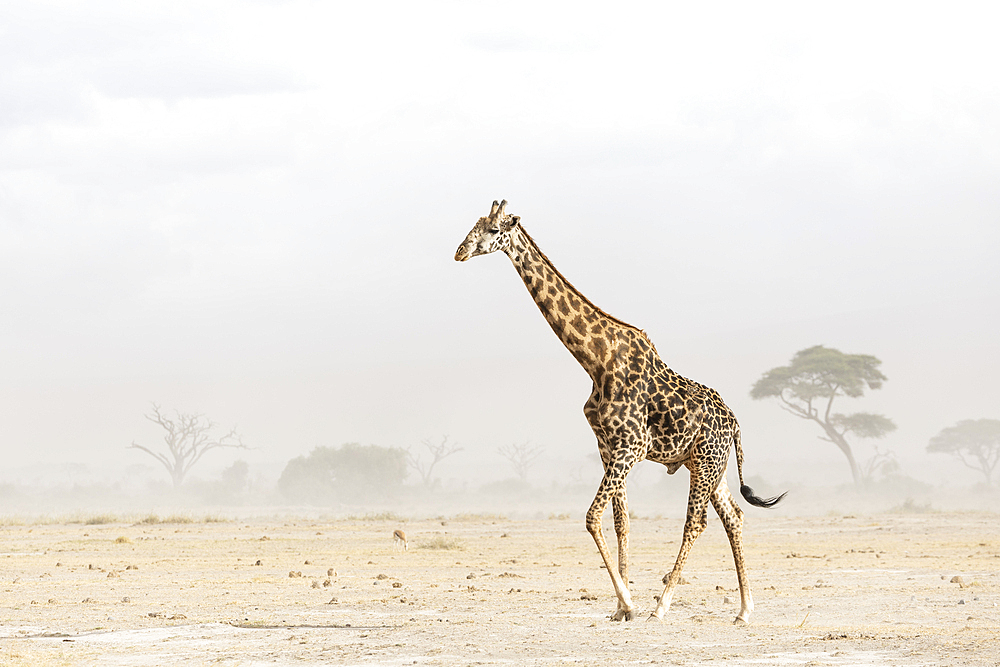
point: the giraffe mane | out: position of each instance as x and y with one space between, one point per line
580 294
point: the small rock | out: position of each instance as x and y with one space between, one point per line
331 572
397 584
961 602
332 601
293 574
264 538
258 563
957 579
88 600
308 562
382 577
316 584
126 599
58 564
471 575
52 600
726 600
131 567
327 583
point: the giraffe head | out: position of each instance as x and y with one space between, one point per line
489 234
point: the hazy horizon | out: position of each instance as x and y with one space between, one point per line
250 211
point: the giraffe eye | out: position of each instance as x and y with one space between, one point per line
494 231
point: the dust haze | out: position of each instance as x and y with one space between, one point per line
249 212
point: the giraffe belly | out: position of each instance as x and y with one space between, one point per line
670 451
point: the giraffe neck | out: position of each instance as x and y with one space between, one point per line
590 334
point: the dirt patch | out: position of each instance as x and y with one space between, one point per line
856 590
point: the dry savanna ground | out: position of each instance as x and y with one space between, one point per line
904 589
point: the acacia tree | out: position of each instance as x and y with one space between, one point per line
809 385
187 437
521 457
974 442
438 453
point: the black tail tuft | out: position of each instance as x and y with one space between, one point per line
754 499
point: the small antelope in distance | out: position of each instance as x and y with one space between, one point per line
399 538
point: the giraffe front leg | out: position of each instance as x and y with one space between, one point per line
619 506
694 525
607 491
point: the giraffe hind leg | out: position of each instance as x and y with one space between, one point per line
732 521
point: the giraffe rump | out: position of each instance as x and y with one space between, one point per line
756 500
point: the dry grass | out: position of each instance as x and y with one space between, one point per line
442 543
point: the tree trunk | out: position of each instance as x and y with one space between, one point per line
839 440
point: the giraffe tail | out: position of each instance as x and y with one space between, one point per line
745 490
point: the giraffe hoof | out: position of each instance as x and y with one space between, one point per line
654 617
622 615
742 620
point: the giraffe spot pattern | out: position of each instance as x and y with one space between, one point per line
638 409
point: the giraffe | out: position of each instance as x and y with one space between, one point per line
639 409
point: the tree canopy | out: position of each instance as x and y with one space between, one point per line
808 386
347 473
975 442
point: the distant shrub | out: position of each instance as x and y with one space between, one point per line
911 507
442 543
478 516
377 516
349 473
100 519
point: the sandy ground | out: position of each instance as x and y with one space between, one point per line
835 590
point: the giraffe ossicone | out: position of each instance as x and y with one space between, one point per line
639 409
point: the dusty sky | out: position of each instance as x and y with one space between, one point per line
250 210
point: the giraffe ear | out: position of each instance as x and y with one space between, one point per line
514 219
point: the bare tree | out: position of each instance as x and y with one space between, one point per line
521 457
188 437
438 453
883 462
